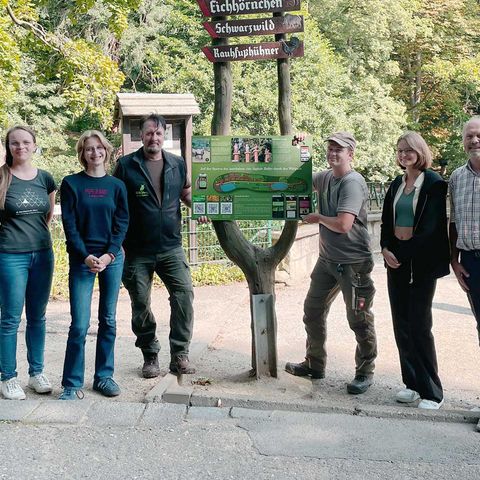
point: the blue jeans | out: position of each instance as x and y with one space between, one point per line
80 284
25 279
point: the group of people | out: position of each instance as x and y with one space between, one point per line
127 226
120 227
417 251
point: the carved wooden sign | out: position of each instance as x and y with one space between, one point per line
258 26
223 8
256 51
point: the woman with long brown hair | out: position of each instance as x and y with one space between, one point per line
27 198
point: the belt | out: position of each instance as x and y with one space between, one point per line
475 253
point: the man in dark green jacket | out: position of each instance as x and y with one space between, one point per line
156 183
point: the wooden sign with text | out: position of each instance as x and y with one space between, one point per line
256 51
223 8
257 26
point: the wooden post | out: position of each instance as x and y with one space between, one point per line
284 88
222 112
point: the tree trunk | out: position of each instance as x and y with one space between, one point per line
222 112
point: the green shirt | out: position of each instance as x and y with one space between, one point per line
404 213
23 222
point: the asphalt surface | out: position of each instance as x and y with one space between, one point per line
79 440
221 353
226 425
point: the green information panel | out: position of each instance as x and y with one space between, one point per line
251 178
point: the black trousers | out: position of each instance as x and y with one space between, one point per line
411 306
471 261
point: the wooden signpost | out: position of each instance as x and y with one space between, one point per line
278 24
257 264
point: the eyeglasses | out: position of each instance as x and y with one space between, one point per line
407 151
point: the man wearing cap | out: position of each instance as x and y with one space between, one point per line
465 218
344 264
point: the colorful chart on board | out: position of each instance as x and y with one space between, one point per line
251 178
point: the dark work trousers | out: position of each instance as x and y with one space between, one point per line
471 261
356 285
411 306
173 269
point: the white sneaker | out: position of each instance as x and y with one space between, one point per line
407 396
11 390
430 404
40 383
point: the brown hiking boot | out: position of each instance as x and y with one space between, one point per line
150 368
181 364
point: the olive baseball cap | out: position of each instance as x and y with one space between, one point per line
344 139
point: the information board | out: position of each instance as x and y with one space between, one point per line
251 178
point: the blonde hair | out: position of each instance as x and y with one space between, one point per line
416 142
5 173
81 144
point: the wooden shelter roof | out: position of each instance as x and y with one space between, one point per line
140 104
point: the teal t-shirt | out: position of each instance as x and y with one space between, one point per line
404 213
23 222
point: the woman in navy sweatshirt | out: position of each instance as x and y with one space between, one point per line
95 221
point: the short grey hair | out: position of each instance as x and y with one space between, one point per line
470 120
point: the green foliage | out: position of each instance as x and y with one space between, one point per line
361 31
161 52
60 272
374 67
90 80
216 274
329 96
39 105
88 77
421 54
9 66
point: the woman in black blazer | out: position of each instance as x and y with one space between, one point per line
415 247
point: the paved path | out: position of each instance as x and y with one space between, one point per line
113 440
291 428
221 351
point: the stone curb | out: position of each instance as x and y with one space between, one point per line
236 402
156 393
131 414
